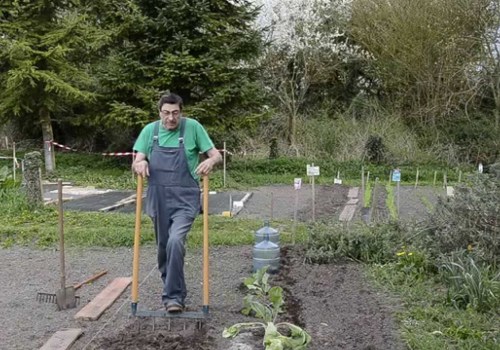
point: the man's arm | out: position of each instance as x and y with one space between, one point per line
205 167
141 165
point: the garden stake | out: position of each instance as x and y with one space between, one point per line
416 179
363 184
198 316
313 198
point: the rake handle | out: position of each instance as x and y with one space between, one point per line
61 233
90 279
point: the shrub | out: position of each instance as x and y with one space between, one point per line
413 263
375 149
378 243
469 219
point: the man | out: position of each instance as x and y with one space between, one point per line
168 153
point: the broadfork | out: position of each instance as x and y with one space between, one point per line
199 316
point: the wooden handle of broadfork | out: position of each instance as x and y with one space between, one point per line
137 243
205 244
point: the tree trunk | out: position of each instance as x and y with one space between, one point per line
292 130
292 126
48 147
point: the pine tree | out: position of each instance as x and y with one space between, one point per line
44 47
200 49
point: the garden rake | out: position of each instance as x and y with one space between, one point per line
65 297
51 297
199 316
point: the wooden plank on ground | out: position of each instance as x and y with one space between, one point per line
120 203
347 213
352 201
62 340
93 310
353 192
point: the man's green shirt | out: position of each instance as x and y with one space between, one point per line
196 140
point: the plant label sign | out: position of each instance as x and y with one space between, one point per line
312 170
396 175
297 183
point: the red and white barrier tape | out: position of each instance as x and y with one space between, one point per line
222 151
61 146
118 154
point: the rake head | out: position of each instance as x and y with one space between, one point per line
51 298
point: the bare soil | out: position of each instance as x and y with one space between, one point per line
335 303
281 202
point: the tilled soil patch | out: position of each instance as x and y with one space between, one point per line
334 303
279 202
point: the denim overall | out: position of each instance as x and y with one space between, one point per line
173 202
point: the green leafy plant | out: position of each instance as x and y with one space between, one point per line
372 244
6 180
391 206
263 301
470 285
266 302
412 263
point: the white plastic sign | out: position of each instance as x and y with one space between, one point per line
312 170
297 183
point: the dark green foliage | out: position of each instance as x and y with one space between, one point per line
273 148
373 244
43 49
198 49
469 220
476 134
375 149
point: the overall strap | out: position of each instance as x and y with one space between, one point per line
181 132
155 131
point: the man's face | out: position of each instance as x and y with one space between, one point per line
170 115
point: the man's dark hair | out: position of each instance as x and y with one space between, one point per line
171 99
